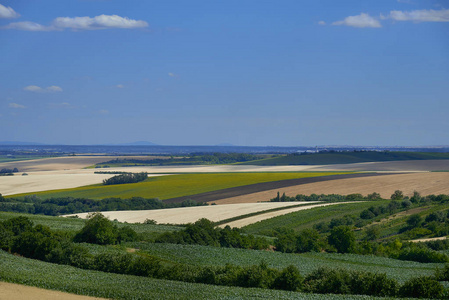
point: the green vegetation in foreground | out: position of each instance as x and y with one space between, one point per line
347 157
197 255
307 218
172 186
108 285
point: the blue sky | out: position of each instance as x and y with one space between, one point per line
255 73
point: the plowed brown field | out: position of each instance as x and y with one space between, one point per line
425 183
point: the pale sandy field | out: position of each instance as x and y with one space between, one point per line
251 220
186 215
12 291
426 183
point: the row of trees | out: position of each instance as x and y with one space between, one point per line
126 178
69 205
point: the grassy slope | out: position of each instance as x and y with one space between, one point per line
114 286
306 263
307 218
346 158
166 187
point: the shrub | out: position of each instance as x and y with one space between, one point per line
290 279
421 287
97 230
342 238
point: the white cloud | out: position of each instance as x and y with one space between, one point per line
80 23
172 74
424 15
98 22
15 105
27 26
321 23
120 86
54 88
103 111
33 88
38 89
7 13
361 21
61 105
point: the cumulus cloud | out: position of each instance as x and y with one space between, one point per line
120 86
7 13
361 21
423 15
81 23
16 105
38 89
321 23
173 75
33 88
54 88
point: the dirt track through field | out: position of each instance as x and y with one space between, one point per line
426 183
12 291
266 186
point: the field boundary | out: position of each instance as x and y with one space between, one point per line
266 186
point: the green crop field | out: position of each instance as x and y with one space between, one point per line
306 262
171 186
114 286
346 158
307 218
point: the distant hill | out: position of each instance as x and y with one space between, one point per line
346 157
138 143
12 143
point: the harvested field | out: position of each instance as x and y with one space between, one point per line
442 238
12 291
425 183
51 180
186 215
390 166
251 220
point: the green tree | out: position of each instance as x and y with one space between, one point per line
342 238
97 230
397 195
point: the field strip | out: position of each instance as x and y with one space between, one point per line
52 180
264 186
269 215
441 238
12 291
426 183
186 215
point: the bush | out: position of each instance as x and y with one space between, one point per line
290 279
342 238
422 287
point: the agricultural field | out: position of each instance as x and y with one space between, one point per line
349 157
171 186
116 286
425 183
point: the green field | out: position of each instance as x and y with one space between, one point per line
346 158
306 262
307 218
114 286
171 186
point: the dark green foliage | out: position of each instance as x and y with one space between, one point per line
338 281
68 253
342 238
69 205
100 230
312 197
397 195
18 225
308 240
126 178
423 255
289 279
372 233
286 241
259 276
203 232
422 287
414 221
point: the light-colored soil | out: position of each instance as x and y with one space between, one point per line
426 183
12 291
399 215
428 239
50 180
390 166
251 220
186 215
